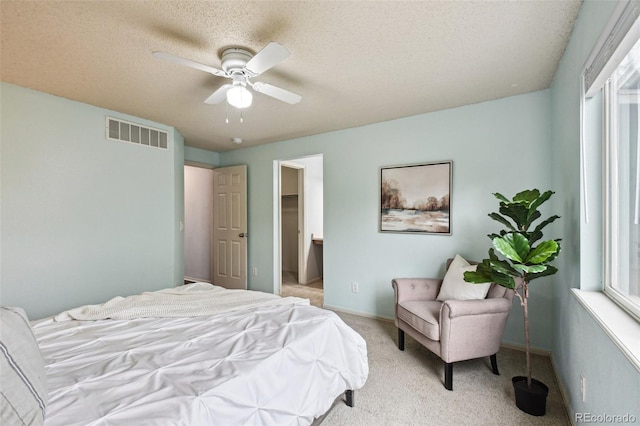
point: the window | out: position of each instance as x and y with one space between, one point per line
622 182
610 161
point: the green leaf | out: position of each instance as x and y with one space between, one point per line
501 197
542 252
541 199
482 274
492 256
517 212
503 267
545 223
512 246
527 197
531 217
485 272
496 264
502 220
534 236
484 267
504 280
530 269
551 258
549 271
476 277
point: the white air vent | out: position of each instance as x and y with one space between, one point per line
125 131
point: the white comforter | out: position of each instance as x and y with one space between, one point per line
189 300
270 365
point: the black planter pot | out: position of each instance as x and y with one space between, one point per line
532 400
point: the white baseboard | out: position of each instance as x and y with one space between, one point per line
533 350
360 314
536 351
563 393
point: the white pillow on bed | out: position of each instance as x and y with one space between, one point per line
454 287
23 389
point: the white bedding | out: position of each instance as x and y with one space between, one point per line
269 365
185 301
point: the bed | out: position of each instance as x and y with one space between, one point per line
194 355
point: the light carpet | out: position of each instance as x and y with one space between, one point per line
406 388
313 291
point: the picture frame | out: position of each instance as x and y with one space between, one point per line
416 198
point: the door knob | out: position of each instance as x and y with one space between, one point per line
243 235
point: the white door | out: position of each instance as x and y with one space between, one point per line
230 227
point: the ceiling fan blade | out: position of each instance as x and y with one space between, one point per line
270 55
219 95
190 63
276 92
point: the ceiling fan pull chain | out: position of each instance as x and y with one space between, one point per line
226 113
241 118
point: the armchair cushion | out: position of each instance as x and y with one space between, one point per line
422 315
454 287
415 289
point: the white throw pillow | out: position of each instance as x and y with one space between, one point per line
23 387
454 287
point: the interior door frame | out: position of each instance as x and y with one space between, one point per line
302 265
183 223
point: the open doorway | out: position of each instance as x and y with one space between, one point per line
300 224
215 225
292 222
198 211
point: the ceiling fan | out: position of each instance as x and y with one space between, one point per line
241 66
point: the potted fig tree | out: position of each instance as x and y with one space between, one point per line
520 255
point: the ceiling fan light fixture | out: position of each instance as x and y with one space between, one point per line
239 97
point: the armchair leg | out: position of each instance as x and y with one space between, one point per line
494 364
448 375
401 340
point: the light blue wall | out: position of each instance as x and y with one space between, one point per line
502 145
202 156
83 218
579 344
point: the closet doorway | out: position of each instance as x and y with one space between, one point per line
300 201
292 222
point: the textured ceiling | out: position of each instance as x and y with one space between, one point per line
353 62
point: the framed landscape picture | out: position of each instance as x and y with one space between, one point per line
416 198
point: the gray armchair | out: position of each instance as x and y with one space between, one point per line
455 330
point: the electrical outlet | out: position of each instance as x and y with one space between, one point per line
583 387
254 271
355 287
